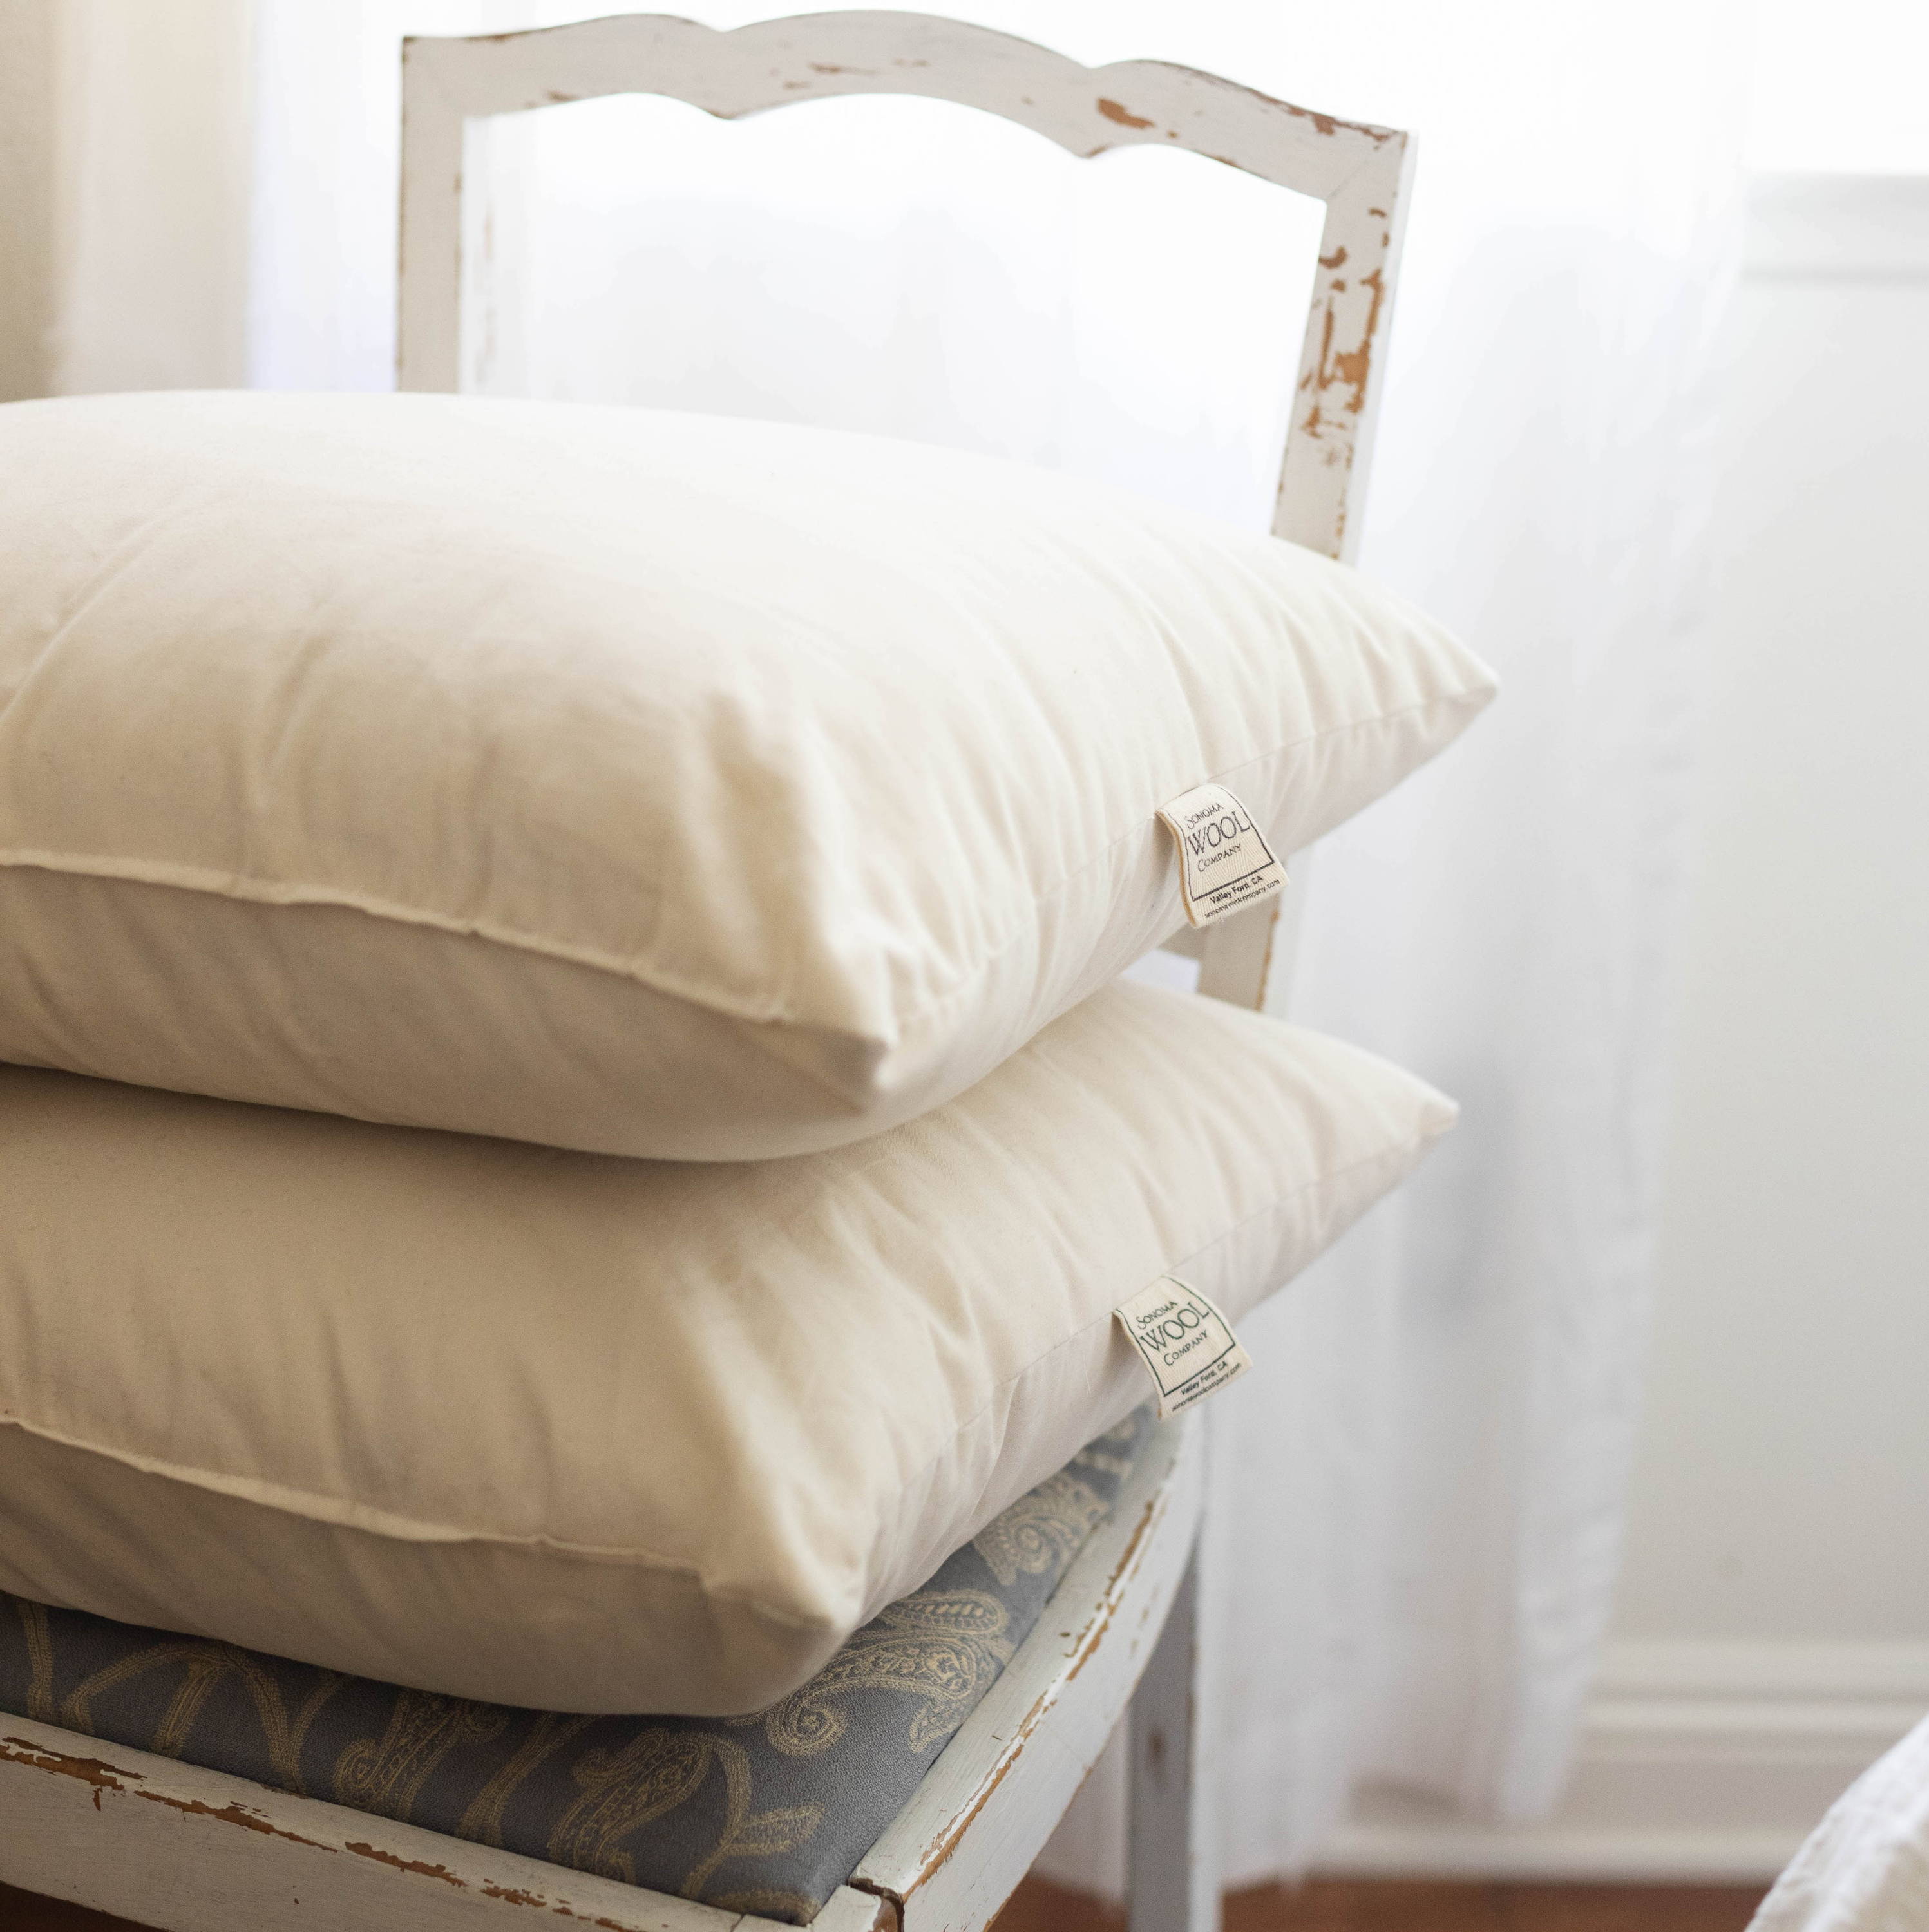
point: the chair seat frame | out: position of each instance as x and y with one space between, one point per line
188 1849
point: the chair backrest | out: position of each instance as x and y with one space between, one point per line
451 87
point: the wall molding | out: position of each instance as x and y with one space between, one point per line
1854 229
1697 1761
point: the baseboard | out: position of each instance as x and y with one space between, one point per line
1697 1761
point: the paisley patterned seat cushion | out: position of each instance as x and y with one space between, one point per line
768 1813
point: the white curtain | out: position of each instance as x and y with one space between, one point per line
124 193
1417 1502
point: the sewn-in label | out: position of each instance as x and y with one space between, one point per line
1188 1347
1224 865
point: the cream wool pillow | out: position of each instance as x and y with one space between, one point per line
590 1434
650 783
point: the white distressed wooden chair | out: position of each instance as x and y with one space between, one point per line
187 1850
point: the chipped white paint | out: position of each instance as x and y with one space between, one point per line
452 87
1172 1870
958 1849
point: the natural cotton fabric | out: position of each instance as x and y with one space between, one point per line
585 1433
649 784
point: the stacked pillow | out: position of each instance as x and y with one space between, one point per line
610 1144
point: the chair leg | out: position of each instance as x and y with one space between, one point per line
1171 1866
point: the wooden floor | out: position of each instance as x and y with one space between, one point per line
1331 1906
1390 1905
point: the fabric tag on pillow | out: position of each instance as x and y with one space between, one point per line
1224 865
1188 1347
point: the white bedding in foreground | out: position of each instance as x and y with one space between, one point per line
1865 1867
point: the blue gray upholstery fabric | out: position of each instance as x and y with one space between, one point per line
768 1813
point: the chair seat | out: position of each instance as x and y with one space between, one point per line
767 1814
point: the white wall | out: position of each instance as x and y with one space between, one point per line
1772 1633
1783 1491
1837 88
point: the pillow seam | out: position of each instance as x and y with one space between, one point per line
213 1482
172 875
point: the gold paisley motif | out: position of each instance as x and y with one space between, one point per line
204 1663
76 1713
944 1647
769 1901
623 1791
747 1833
1042 1532
759 1834
199 1674
619 1792
482 1824
39 1660
284 1748
283 1735
386 1774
